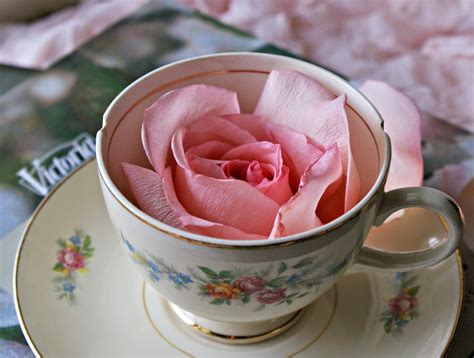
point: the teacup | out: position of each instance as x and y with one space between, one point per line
251 290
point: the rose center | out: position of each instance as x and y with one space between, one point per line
252 172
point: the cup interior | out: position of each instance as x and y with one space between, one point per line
245 74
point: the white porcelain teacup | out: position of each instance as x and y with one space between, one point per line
250 288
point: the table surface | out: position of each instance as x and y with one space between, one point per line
43 112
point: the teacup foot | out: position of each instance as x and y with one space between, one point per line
237 333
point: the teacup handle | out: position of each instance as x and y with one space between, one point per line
421 197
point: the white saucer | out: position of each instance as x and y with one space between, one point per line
106 309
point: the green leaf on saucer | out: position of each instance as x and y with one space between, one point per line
387 326
246 299
413 291
217 301
58 267
304 262
225 274
282 268
208 272
62 243
87 242
303 294
277 282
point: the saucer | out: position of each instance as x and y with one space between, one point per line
77 293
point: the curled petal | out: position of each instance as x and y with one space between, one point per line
300 150
148 190
213 128
197 225
230 202
178 108
253 124
299 214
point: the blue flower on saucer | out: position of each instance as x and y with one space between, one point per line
69 287
129 245
179 278
75 240
153 266
155 277
294 278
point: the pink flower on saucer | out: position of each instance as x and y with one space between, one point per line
268 296
249 284
403 304
282 170
71 259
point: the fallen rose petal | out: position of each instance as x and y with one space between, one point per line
299 214
178 108
148 190
402 122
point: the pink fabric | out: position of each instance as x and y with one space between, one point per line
41 43
424 48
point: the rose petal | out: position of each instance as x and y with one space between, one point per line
301 151
279 189
301 103
148 190
230 202
178 108
204 158
213 128
197 225
265 152
299 214
290 97
253 124
333 126
402 122
207 167
212 149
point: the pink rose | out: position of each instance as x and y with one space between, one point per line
403 304
284 169
70 259
249 284
268 296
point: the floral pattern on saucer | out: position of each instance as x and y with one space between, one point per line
72 259
403 307
276 284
